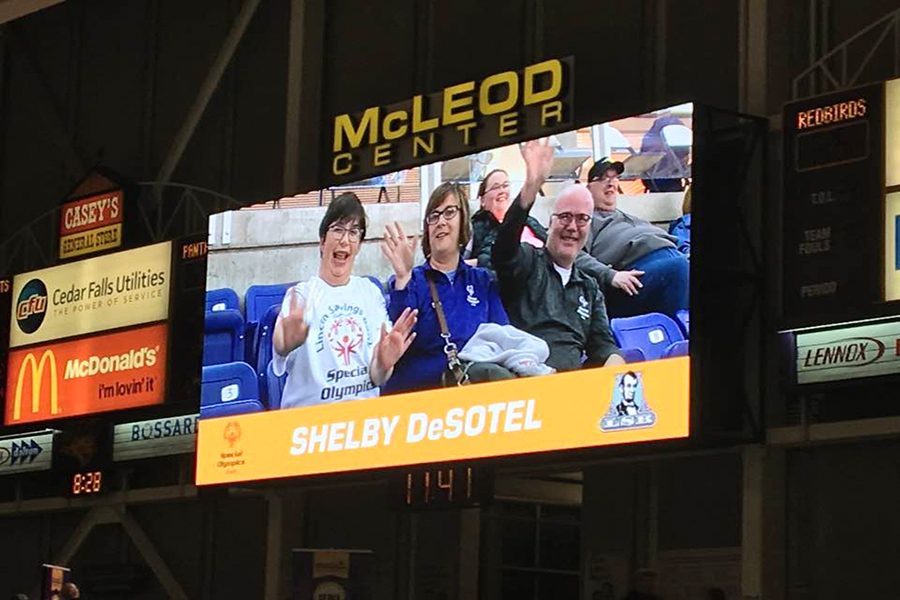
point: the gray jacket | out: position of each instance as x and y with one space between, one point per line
618 239
571 319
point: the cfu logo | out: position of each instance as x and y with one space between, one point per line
48 362
31 306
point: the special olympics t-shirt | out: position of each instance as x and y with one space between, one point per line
333 363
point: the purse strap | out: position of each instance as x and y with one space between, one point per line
450 349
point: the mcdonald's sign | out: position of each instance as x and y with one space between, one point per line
47 362
85 376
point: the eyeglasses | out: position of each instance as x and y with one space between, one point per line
448 213
566 218
498 186
354 234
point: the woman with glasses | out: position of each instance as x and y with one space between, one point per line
331 337
468 295
493 192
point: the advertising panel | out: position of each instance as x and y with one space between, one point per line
156 437
107 292
24 453
90 225
848 353
87 375
528 298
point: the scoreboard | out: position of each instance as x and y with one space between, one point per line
834 191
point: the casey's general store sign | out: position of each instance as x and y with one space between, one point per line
90 225
460 119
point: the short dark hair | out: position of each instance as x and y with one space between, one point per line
482 187
439 194
344 208
631 374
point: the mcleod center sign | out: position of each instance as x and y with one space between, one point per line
107 292
88 375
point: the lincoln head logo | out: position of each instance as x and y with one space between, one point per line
345 337
35 368
31 306
628 408
232 433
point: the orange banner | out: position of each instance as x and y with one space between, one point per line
88 375
594 407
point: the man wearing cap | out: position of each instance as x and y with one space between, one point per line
625 242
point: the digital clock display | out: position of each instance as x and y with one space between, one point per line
90 482
449 487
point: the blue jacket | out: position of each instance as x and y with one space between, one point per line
472 299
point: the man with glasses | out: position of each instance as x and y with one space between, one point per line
624 242
331 336
545 293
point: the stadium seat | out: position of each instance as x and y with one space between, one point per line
221 299
229 389
263 349
652 333
377 282
259 298
681 348
684 321
275 386
223 337
633 355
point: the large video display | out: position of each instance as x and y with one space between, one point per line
527 298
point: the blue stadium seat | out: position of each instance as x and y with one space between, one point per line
275 387
682 348
259 298
684 321
229 389
221 299
633 355
263 349
652 333
377 283
223 337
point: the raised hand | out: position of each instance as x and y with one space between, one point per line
393 344
291 329
400 251
538 156
628 281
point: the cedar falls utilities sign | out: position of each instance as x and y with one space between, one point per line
460 119
848 353
89 296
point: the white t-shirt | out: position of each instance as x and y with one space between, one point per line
565 274
333 363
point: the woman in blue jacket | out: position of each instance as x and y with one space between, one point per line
468 294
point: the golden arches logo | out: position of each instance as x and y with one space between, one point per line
37 376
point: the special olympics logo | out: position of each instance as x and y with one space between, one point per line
31 306
232 433
345 336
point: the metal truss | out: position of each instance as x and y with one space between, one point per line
162 211
834 71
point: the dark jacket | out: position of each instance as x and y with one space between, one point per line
571 319
484 233
470 300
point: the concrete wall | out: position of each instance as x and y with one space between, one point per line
280 245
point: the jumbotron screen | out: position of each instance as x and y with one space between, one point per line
527 298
